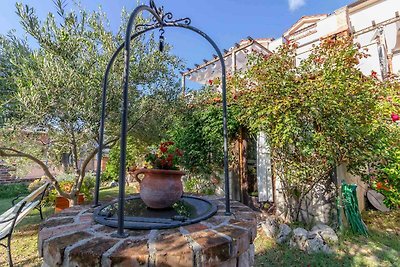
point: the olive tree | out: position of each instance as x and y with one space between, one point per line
57 89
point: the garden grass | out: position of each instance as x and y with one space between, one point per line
24 239
109 193
382 248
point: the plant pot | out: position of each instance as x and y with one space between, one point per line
63 203
80 199
159 189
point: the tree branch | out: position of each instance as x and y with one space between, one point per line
107 144
19 154
74 151
114 140
83 167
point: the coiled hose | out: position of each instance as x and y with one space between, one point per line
351 211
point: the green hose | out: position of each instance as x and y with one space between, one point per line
351 211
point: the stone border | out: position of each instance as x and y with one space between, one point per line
72 238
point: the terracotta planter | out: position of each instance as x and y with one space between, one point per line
159 189
81 199
63 203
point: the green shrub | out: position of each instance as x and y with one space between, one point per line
88 185
13 190
199 185
385 176
134 157
66 182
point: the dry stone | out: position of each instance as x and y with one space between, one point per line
317 244
284 233
316 240
299 239
326 232
270 227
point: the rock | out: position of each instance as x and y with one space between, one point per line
113 184
284 233
252 252
299 239
317 244
326 232
319 237
270 227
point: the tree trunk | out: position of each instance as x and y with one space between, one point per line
235 175
73 199
244 182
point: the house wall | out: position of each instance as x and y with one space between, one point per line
6 173
383 15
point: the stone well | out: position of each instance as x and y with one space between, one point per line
73 238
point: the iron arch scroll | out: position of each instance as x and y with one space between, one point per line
160 20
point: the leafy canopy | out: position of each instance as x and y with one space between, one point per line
56 88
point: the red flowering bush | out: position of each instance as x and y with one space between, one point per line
395 117
319 113
165 157
385 176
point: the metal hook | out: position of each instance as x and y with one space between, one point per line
162 39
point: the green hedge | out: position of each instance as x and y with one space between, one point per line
13 190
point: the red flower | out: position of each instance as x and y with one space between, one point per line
179 152
319 60
163 148
210 82
379 185
165 157
374 74
395 117
167 144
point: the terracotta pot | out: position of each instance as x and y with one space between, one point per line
63 203
81 199
159 189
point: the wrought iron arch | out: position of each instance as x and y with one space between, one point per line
159 20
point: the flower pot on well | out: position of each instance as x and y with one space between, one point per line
159 189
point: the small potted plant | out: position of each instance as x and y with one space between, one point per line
161 186
66 182
61 202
